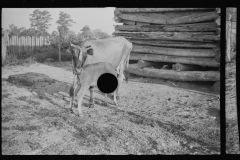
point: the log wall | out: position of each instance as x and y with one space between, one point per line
188 37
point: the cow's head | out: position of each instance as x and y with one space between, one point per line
78 53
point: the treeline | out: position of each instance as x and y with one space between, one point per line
40 23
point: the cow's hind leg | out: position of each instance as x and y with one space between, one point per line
105 102
120 79
114 98
91 102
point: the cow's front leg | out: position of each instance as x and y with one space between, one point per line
71 94
80 98
91 102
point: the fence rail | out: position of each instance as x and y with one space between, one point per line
18 45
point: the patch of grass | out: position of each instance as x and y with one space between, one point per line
13 60
5 95
26 128
7 119
33 145
22 98
50 52
33 102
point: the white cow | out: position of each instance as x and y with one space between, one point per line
115 51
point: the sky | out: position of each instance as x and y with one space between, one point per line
95 18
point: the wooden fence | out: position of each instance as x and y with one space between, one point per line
19 45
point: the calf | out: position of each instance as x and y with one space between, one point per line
86 77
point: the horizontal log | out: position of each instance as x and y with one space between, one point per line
166 15
186 67
127 23
173 75
175 59
161 9
142 23
161 19
181 44
200 27
174 51
143 64
183 36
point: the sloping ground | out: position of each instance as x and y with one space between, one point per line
150 118
232 141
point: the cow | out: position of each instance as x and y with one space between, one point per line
87 76
115 51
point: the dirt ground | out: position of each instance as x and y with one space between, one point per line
149 118
232 141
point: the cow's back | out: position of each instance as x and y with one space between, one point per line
111 50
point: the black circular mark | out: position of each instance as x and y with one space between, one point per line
107 83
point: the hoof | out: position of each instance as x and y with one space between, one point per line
117 97
79 114
90 105
104 104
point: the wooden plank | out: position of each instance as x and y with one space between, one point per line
173 75
186 36
228 36
126 22
142 23
218 21
233 14
175 59
175 44
174 51
208 16
200 27
160 9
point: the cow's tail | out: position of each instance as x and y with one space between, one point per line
127 72
127 64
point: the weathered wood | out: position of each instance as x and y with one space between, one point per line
126 22
216 86
142 23
142 63
218 10
186 67
218 21
173 75
182 44
229 29
160 9
174 51
161 19
175 59
200 27
186 36
233 13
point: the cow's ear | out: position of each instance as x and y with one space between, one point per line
90 51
